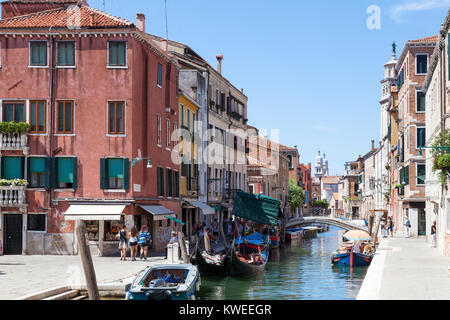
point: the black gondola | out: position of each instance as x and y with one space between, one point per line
213 261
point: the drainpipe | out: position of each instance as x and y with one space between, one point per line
51 111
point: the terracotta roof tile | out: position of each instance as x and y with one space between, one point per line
86 17
426 39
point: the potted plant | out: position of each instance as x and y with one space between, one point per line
443 162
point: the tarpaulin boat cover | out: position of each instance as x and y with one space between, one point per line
256 207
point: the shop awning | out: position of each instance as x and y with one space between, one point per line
94 212
256 208
158 212
202 206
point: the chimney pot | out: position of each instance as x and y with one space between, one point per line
219 58
140 22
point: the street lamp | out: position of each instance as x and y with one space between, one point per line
136 160
445 148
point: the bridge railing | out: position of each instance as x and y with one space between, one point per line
316 212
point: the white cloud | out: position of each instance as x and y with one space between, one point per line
398 10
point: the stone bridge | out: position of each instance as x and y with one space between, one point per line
341 223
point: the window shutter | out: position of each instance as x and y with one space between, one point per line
103 180
75 173
53 173
126 173
47 181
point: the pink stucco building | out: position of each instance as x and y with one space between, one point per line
95 90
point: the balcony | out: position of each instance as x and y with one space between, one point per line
13 196
13 136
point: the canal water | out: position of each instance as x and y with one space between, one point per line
300 271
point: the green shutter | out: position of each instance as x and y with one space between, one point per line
53 173
12 167
103 174
126 170
75 172
115 168
65 170
48 176
37 164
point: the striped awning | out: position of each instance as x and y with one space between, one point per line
94 212
203 207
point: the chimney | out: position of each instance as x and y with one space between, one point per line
373 144
92 19
140 22
219 58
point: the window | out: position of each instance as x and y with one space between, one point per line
159 80
36 222
421 63
38 113
175 133
188 119
14 111
38 172
169 182
167 133
38 53
66 173
176 184
66 54
12 167
420 101
158 138
116 121
64 117
160 181
114 173
182 116
117 54
420 174
420 137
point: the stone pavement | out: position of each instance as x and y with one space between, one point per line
24 275
406 269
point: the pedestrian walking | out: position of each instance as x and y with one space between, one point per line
407 226
123 243
384 229
433 234
133 238
144 240
390 227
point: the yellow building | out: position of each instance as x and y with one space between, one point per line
187 118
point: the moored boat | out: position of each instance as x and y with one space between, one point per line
310 232
248 256
346 256
165 282
213 261
294 234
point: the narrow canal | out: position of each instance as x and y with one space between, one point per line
300 271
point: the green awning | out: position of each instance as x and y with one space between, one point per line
256 208
175 219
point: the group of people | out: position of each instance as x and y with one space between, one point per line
387 228
133 239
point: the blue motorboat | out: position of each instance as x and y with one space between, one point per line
165 282
345 256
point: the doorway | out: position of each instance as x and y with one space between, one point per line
355 213
12 234
422 225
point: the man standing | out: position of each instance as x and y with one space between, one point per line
433 234
407 226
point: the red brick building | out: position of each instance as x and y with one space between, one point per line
95 90
306 182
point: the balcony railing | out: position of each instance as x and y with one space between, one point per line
11 196
13 141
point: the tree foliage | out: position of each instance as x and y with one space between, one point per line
296 195
441 156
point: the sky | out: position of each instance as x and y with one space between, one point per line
310 69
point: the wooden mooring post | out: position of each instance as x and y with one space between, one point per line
182 244
86 259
